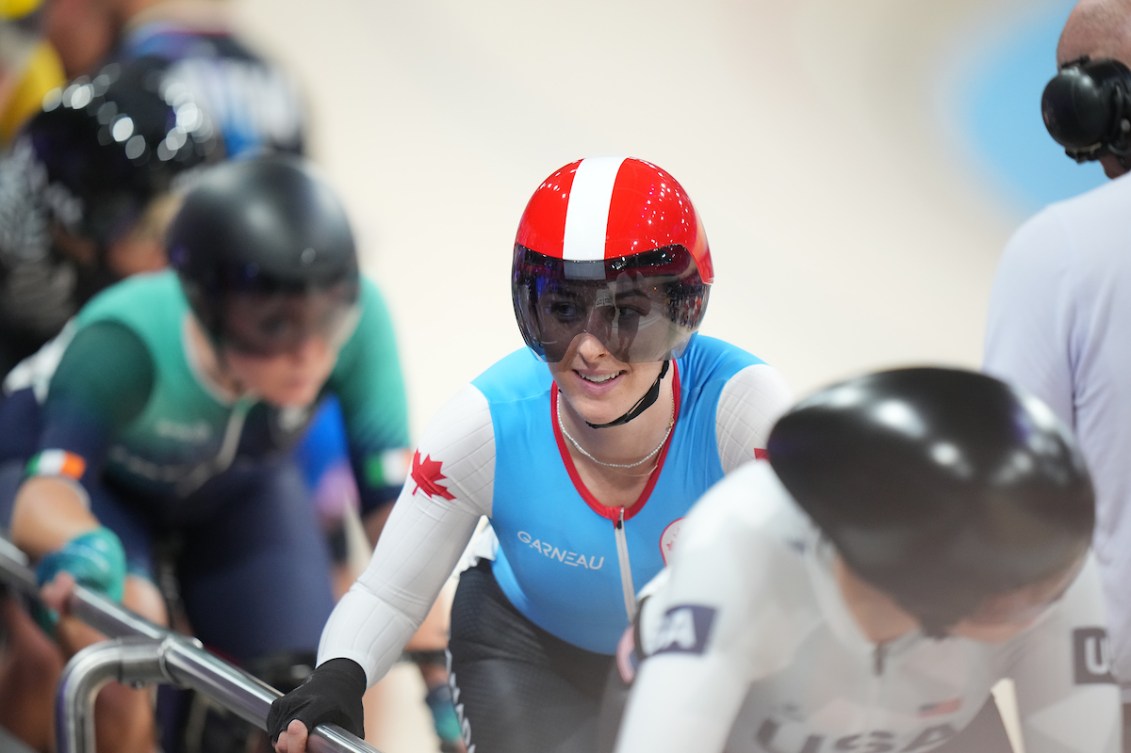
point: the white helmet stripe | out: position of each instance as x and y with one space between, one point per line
587 216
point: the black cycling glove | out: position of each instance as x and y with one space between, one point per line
331 695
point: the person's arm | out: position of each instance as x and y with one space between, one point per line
750 403
706 636
449 488
687 694
1031 319
373 399
447 491
102 382
1067 699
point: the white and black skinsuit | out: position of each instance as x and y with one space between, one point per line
752 649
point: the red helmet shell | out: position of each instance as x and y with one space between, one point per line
609 207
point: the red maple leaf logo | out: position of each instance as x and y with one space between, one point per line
426 474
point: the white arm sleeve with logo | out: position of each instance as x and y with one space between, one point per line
1067 700
704 628
449 488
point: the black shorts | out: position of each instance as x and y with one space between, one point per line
517 688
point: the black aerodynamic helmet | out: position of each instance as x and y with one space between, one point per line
104 146
941 487
611 246
265 255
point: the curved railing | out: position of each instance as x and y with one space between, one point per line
141 652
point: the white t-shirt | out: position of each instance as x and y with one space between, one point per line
1060 326
751 646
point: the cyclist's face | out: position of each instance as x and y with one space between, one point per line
1001 617
271 324
283 347
291 378
595 384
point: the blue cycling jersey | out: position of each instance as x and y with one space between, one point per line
557 543
568 561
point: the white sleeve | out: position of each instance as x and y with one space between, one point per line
1031 308
751 401
449 489
706 636
1067 699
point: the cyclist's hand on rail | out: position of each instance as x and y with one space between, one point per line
94 560
331 695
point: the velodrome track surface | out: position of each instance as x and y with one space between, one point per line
858 165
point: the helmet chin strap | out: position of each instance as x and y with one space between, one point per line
641 405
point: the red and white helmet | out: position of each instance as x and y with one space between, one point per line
612 247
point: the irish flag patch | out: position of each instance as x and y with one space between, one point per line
56 463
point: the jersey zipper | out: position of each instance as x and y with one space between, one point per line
625 566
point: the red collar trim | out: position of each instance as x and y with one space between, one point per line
605 511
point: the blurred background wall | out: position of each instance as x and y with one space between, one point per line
858 165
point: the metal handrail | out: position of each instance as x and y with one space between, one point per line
142 651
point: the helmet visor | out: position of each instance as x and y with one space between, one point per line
1025 604
273 323
642 308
